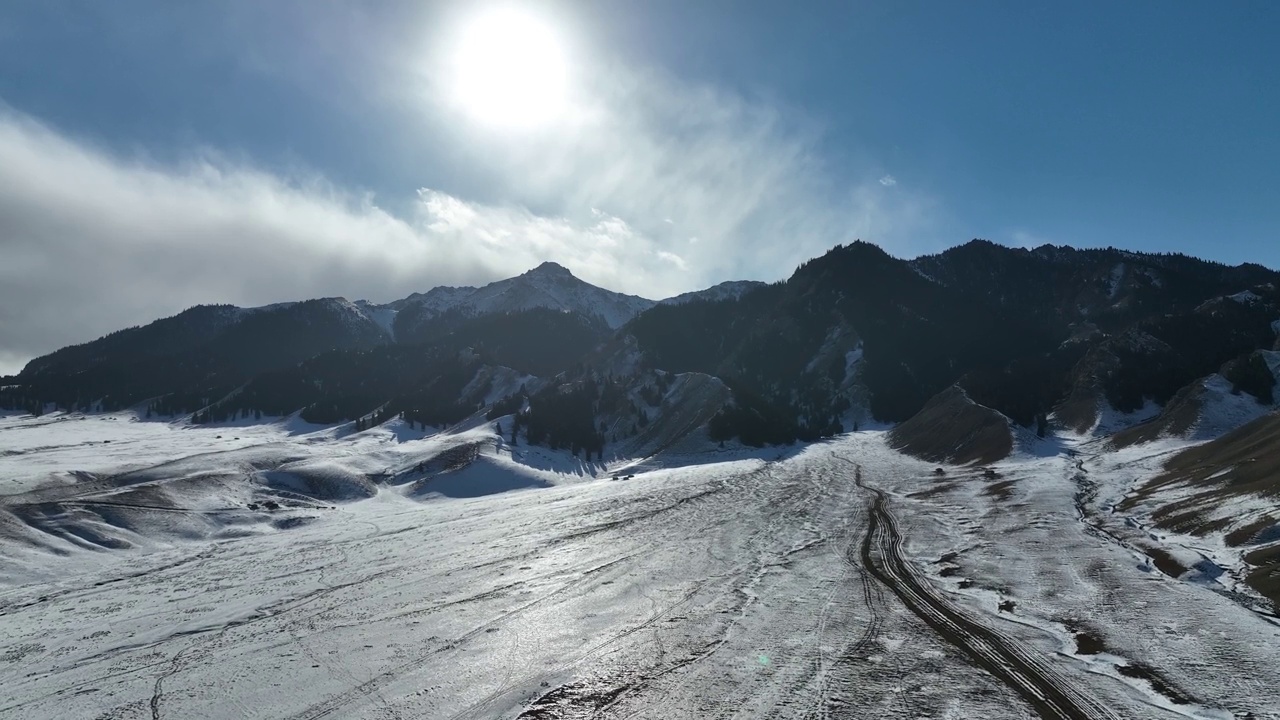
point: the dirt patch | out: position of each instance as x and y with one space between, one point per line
1165 562
1265 577
575 700
1089 644
1139 671
1002 490
1251 533
1177 518
935 490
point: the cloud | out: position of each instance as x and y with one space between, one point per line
678 159
11 363
94 242
652 186
598 247
672 258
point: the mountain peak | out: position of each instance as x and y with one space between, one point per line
551 269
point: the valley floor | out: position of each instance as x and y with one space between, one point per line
841 580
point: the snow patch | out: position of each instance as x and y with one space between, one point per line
1222 411
384 316
1117 275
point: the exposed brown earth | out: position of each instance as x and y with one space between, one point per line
952 428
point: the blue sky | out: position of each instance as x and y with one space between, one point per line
154 155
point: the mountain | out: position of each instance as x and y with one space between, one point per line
728 290
194 357
549 286
1032 336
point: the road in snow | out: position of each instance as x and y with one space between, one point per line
747 588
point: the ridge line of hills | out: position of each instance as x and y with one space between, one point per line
852 337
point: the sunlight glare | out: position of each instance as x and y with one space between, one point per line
511 69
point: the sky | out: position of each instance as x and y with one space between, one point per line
157 155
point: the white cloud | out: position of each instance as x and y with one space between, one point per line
93 242
678 160
11 363
672 258
649 176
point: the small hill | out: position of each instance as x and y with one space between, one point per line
952 428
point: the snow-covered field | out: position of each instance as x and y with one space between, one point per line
400 575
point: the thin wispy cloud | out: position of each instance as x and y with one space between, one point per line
678 160
93 242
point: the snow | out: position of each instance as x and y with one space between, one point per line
1113 285
499 382
1066 572
1246 297
841 340
448 574
730 290
1111 421
1121 473
547 286
1222 411
384 316
851 360
1272 359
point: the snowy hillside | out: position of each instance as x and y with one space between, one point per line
730 290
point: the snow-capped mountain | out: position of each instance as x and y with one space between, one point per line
729 290
549 286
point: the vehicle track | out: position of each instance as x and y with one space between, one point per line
840 678
1050 695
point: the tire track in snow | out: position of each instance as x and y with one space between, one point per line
1050 695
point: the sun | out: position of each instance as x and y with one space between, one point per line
511 69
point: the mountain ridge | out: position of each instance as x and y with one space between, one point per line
851 336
